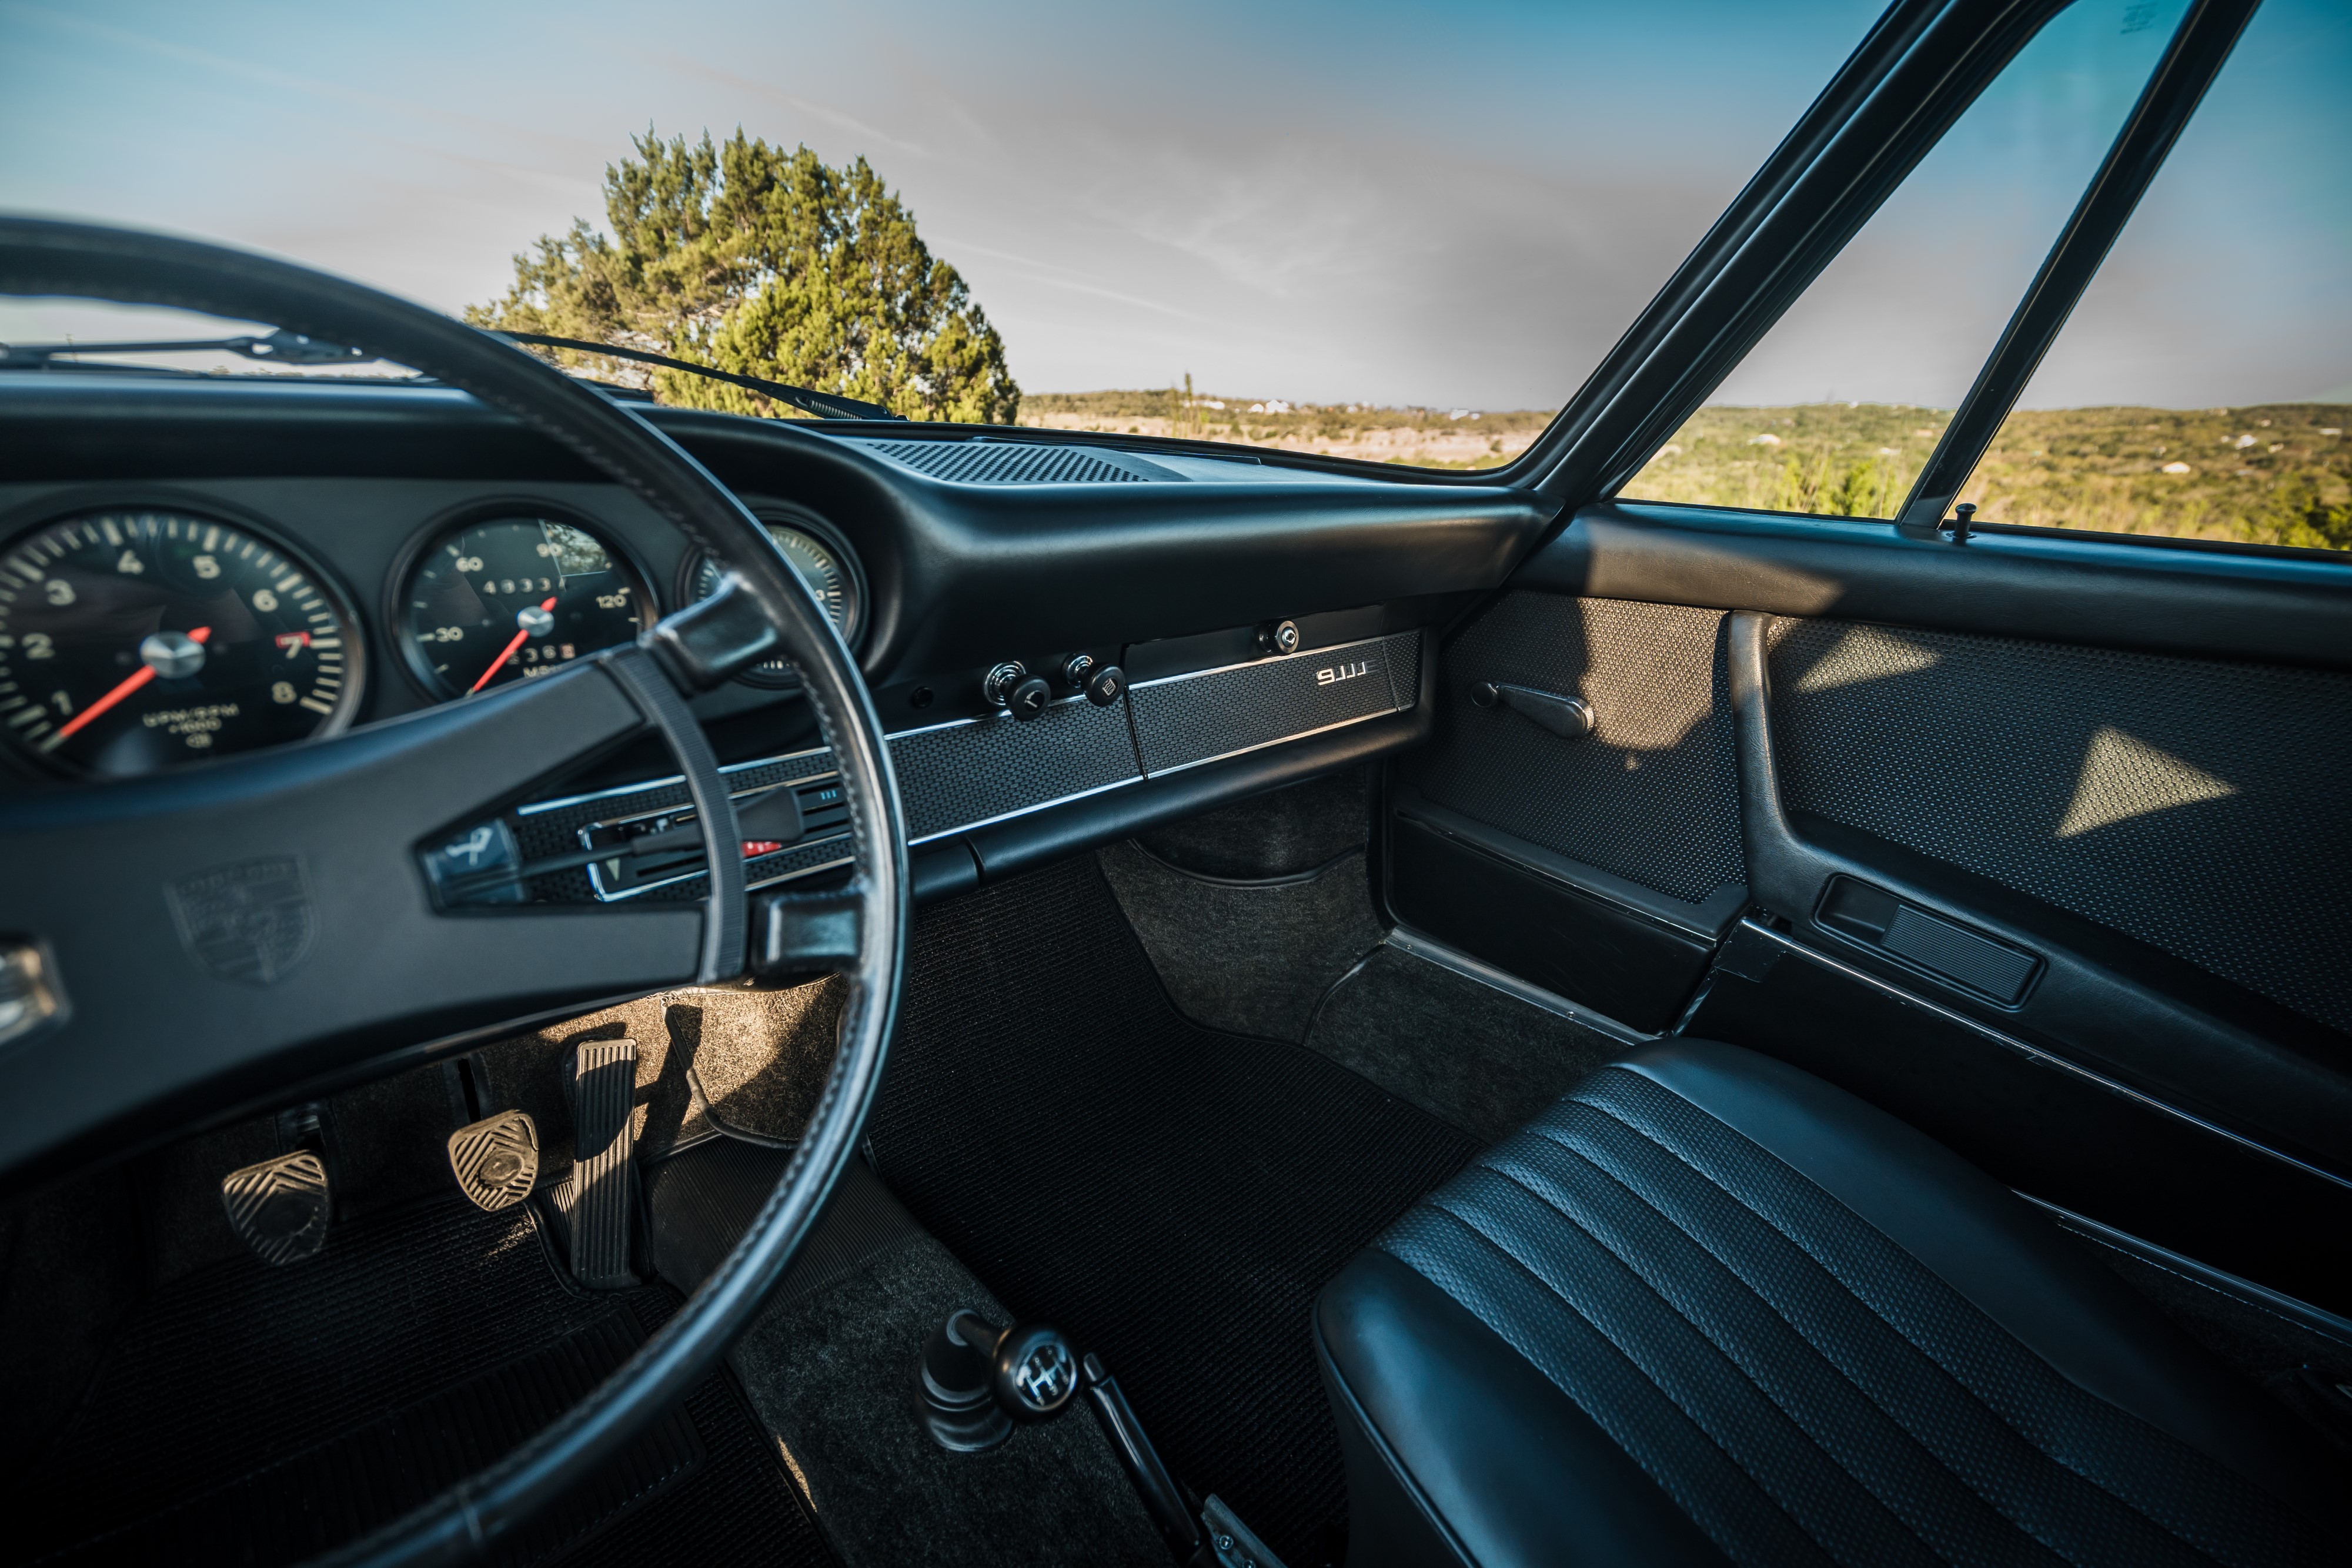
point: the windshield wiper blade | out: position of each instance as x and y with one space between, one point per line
279 347
824 405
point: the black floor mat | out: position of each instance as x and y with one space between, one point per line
260 1415
1169 1196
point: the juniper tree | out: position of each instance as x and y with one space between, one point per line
748 258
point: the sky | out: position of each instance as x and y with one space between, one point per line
1459 205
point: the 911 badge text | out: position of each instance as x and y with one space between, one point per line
1333 674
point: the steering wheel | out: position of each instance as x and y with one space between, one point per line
152 1037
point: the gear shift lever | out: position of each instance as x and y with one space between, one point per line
975 1380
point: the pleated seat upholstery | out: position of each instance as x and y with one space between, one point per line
1709 1308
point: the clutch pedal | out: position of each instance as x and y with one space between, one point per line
280 1207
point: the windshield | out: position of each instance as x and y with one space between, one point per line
1399 231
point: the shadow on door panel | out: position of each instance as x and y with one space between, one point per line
1604 865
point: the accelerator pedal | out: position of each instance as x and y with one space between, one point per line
598 1200
495 1160
280 1207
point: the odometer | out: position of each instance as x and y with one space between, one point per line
490 603
134 639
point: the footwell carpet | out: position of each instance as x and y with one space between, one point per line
1170 1196
261 1415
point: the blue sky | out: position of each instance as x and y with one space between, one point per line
1460 204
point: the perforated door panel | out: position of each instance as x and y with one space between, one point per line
2189 803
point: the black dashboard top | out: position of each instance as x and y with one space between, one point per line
971 547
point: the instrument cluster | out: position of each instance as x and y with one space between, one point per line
135 639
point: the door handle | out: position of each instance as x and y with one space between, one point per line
1569 717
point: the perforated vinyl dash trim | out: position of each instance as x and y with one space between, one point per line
957 775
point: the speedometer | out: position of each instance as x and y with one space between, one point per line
825 568
132 640
492 602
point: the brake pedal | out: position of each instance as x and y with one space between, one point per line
598 1199
280 1207
495 1160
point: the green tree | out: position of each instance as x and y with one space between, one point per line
766 263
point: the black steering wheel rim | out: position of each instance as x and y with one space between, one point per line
43 258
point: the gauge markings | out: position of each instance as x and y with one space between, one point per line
133 640
512 599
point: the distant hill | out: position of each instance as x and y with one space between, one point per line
1425 437
2277 473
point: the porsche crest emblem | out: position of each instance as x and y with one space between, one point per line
251 922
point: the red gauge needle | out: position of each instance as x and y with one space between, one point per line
130 684
505 652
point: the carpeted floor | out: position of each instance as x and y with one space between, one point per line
1171 1196
1253 957
1476 1058
260 1415
829 1366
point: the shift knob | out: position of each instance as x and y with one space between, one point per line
1035 1372
975 1380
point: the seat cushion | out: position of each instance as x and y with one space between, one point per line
1708 1307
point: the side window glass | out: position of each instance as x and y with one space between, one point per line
1837 408
2203 385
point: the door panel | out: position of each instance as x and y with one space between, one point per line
2083 911
1602 867
2184 802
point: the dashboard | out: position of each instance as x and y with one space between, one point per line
156 630
1065 641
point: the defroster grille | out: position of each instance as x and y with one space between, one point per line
988 461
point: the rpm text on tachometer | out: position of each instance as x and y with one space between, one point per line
135 640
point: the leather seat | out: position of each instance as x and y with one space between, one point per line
1710 1308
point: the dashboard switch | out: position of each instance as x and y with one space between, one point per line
1106 686
1030 699
1076 669
998 683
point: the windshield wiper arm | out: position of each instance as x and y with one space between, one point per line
279 347
824 405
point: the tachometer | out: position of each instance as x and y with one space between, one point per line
490 603
134 639
826 569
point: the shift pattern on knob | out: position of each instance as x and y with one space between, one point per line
1036 1372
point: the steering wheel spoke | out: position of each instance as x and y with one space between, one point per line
268 918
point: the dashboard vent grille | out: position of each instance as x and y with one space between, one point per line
1018 463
